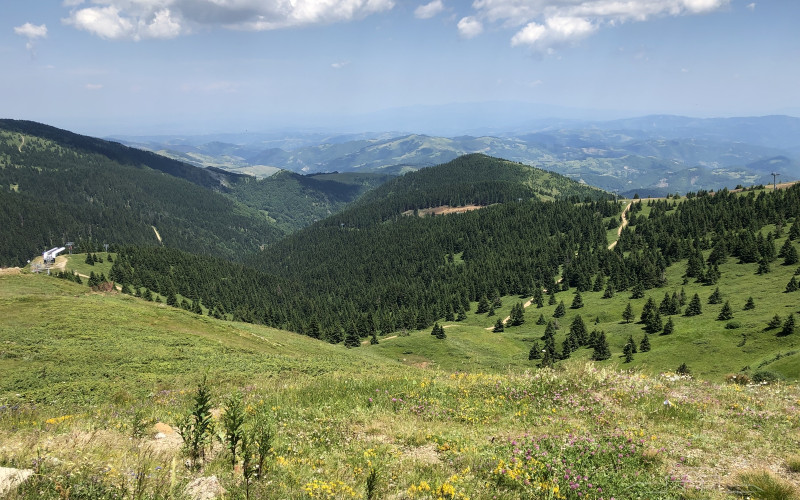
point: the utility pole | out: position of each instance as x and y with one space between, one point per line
775 181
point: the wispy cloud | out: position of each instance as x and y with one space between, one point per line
429 10
32 32
339 64
141 19
546 24
93 86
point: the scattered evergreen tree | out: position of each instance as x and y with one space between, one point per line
627 314
794 232
577 301
644 345
491 311
560 311
538 297
89 259
675 304
577 330
549 330
449 316
791 256
497 302
498 326
313 330
788 326
792 285
763 267
627 351
601 349
609 291
750 304
648 310
147 295
541 320
654 323
551 300
669 327
462 315
535 352
683 369
172 300
632 343
665 307
599 282
775 322
716 297
694 308
483 305
440 334
726 313
517 316
682 297
373 340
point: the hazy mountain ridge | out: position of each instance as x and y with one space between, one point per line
662 154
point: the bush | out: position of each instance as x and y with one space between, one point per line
733 325
766 376
737 378
763 485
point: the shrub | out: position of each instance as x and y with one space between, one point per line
733 325
766 376
763 485
683 369
737 378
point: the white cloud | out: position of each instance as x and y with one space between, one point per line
545 24
470 27
751 6
31 31
429 10
140 19
93 86
340 64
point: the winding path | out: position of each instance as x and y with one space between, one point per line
19 148
623 225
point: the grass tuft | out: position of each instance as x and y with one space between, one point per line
763 486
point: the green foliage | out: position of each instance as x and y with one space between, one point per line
644 345
498 326
560 310
694 308
627 314
197 427
762 485
726 313
716 297
788 326
233 416
517 316
577 301
750 304
669 327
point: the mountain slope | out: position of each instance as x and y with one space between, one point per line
59 187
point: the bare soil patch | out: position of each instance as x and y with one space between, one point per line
444 210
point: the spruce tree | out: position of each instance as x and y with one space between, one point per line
648 310
601 349
632 343
750 304
541 320
794 232
775 322
654 323
726 313
435 330
791 256
716 297
628 352
352 339
560 311
792 285
89 259
599 282
644 345
549 330
440 334
517 315
491 312
498 326
483 305
788 326
763 267
609 291
669 327
462 315
577 301
577 329
551 301
694 308
665 307
535 352
638 291
627 314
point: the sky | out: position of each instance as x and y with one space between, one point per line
105 67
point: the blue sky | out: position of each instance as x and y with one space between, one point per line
107 67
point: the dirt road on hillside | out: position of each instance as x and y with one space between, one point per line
624 223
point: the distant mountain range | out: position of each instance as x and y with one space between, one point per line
654 154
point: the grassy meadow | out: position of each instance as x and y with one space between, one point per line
87 380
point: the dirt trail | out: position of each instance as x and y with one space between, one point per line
623 225
19 148
505 321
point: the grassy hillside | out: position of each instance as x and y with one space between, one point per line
85 376
59 187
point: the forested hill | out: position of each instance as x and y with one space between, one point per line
114 151
474 179
56 186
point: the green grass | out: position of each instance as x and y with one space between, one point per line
448 418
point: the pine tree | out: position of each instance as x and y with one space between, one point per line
638 291
541 320
716 297
601 349
675 304
644 345
462 315
632 343
628 352
627 314
551 301
694 308
726 313
666 305
654 324
791 256
794 232
577 301
549 330
560 311
498 326
440 334
539 298
535 352
792 285
669 327
89 259
352 339
788 326
577 329
648 310
609 291
483 305
517 315
775 322
373 340
750 304
763 267
435 329
313 329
